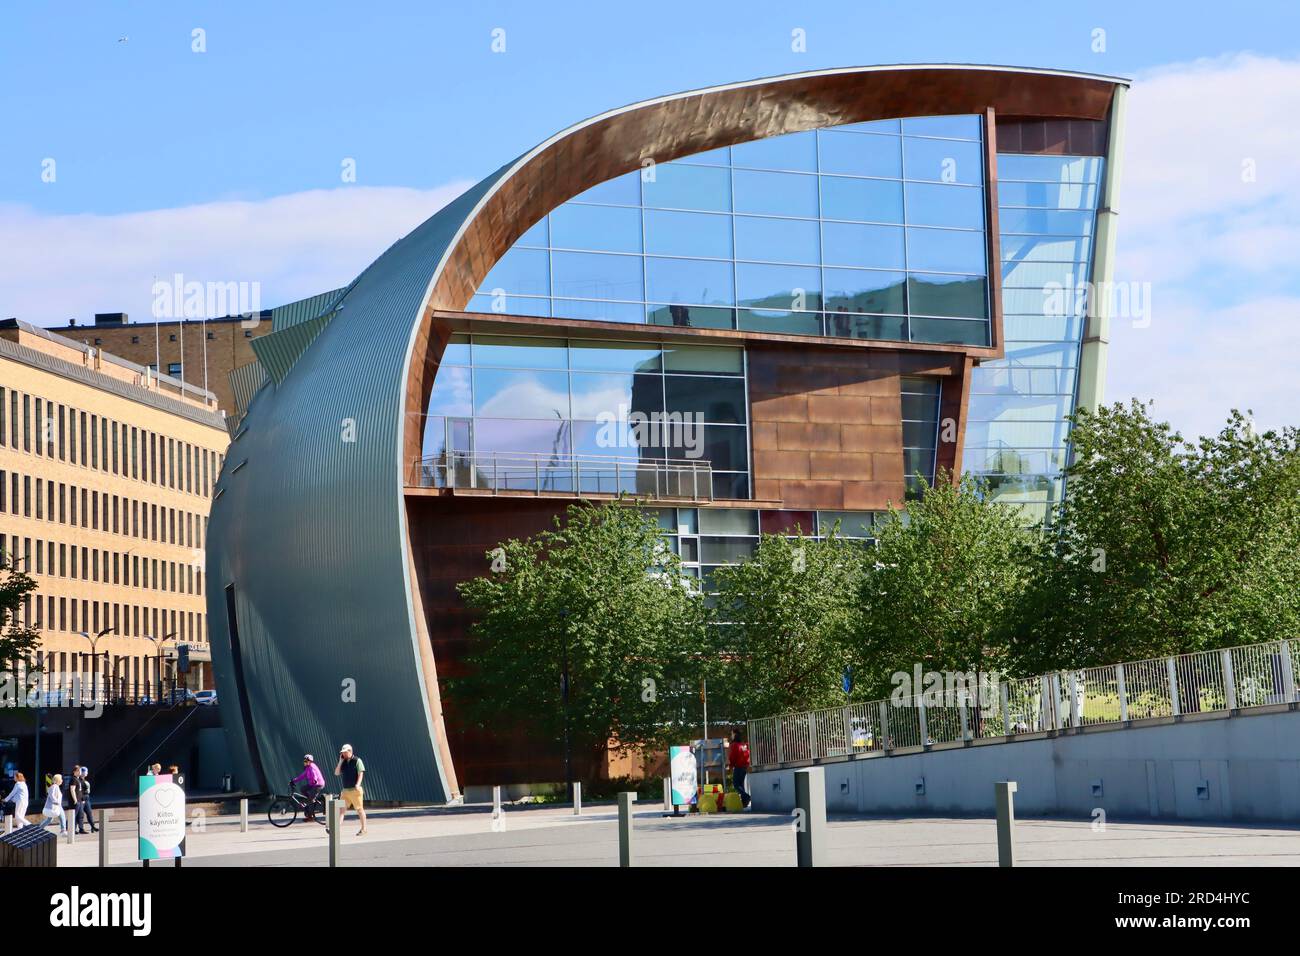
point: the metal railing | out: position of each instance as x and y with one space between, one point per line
1223 680
508 471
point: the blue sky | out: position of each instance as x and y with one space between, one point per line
169 159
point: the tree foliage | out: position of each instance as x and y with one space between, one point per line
601 591
16 640
784 620
1166 546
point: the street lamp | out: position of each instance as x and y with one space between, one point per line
94 658
158 643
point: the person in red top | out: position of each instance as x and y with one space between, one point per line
738 760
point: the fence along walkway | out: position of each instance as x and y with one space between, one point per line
1230 679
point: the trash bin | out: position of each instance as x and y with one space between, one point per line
29 846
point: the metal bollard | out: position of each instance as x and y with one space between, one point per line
331 813
668 794
103 837
243 815
577 799
67 824
9 822
1006 803
810 821
625 801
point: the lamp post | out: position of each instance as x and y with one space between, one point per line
158 643
94 658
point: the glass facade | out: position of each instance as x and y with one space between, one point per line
871 230
559 399
920 400
1016 436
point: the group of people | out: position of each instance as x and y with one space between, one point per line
77 793
350 769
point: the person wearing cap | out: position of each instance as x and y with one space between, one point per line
313 782
353 771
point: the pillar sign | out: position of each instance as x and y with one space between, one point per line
162 818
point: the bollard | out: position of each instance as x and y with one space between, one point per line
331 814
810 821
668 794
103 837
496 803
577 799
243 815
68 827
9 822
625 801
1006 803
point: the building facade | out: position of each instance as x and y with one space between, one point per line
771 305
107 473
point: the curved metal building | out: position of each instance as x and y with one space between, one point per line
331 560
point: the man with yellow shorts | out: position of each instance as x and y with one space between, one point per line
353 771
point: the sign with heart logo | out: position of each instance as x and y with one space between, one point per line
162 818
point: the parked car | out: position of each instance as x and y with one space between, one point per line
179 697
205 698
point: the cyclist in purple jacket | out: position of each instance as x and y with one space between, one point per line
313 782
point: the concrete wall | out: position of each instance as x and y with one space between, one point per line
1222 768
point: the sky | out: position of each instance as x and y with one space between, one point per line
214 139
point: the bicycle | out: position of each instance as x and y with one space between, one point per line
284 809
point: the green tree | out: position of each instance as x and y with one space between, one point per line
945 585
784 620
16 640
602 592
1166 546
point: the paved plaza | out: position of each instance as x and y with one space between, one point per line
553 836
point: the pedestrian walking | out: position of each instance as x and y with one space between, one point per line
738 759
54 804
16 801
353 771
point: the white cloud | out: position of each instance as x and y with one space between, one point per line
60 267
1221 249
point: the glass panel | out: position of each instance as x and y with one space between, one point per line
714 157
778 287
918 434
725 550
778 194
603 228
730 521
522 351
704 358
858 244
874 126
781 321
865 200
777 240
1049 249
706 235
856 154
699 281
689 187
614 356
794 151
730 485
713 399
1047 195
933 204
536 236
846 326
451 394
519 435
589 275
943 161
526 394
457 351
852 524
600 395
623 190
1051 169
1052 222
947 250
957 296
864 290
724 447
691 316
522 272
595 311
503 304
957 127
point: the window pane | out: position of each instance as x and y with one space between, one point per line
777 240
794 151
859 244
958 127
521 272
858 154
1046 221
1050 169
946 250
519 351
614 356
866 200
733 521
509 304
691 316
689 187
950 331
706 235
845 326
536 236
947 295
509 394
603 228
505 435
457 351
451 393
724 447
623 190
778 194
704 358
714 157
1047 195
780 320
932 204
864 290
778 287
699 281
597 395
1045 249
588 275
596 311
715 399
943 161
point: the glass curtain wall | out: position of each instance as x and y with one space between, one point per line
1016 435
870 230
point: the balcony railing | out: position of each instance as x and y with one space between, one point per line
502 472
